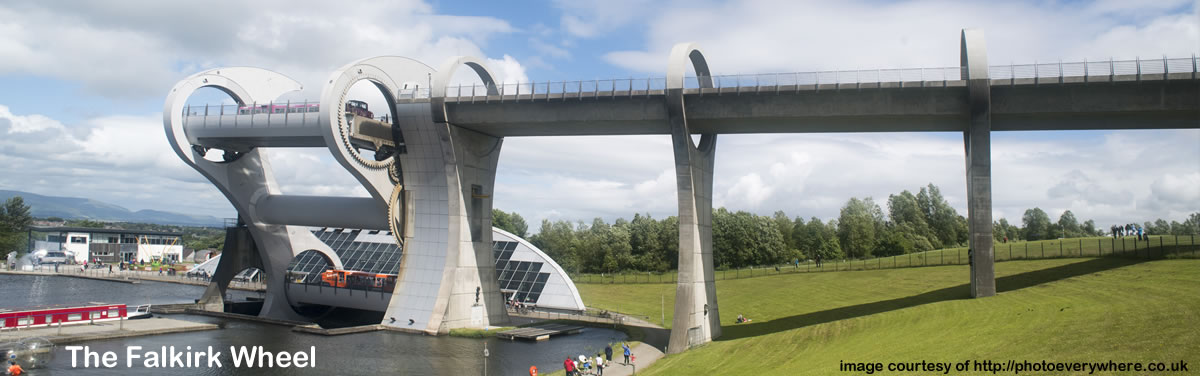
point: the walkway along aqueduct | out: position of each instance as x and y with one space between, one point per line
432 174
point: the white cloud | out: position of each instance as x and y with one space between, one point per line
508 69
592 18
136 50
754 36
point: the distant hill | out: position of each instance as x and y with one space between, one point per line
82 208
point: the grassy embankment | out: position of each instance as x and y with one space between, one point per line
478 333
1087 310
1157 247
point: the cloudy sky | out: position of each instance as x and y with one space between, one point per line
82 85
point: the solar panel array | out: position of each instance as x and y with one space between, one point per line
521 281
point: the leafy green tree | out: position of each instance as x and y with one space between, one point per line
646 244
819 238
892 242
557 239
1089 228
1036 224
799 239
1160 227
743 239
1002 229
669 237
904 209
857 227
784 225
941 217
1190 226
1068 226
14 222
511 222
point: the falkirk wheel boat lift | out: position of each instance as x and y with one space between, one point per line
430 180
430 186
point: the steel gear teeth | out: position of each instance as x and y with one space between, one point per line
344 129
394 172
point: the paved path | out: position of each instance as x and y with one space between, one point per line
646 353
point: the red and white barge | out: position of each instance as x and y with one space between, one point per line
34 317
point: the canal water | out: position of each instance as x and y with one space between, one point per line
373 353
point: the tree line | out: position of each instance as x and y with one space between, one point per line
917 222
1036 225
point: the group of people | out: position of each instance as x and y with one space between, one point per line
584 365
1131 229
519 307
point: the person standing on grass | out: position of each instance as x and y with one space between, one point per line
608 352
569 365
625 346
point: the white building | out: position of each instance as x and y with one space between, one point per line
114 245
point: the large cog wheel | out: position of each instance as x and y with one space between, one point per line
344 129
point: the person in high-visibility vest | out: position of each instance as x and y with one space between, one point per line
14 369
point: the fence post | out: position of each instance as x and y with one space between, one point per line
1060 248
1042 245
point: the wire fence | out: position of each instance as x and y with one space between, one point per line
1154 247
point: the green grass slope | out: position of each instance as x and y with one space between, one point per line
1064 310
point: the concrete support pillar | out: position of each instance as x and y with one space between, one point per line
239 253
697 318
977 142
447 278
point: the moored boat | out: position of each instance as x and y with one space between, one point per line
33 317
